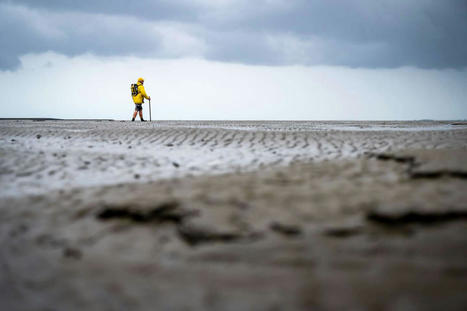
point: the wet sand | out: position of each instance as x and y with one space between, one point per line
228 215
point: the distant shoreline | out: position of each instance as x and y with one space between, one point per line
463 121
53 119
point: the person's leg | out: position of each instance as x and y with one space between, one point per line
141 115
134 115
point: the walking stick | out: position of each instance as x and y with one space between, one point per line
150 118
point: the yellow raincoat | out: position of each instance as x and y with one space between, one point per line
139 99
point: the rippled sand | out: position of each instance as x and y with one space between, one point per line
228 215
41 156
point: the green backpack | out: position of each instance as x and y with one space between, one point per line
134 89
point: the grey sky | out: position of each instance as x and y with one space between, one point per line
354 33
87 86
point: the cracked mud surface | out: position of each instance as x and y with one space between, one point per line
382 226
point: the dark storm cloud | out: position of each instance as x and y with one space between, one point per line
150 9
365 33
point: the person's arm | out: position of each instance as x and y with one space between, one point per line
143 92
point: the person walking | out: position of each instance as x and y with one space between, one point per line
139 94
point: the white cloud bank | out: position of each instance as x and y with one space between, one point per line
53 85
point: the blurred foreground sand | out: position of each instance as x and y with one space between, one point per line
275 216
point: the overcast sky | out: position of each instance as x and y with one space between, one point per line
298 57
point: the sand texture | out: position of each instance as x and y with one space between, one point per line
233 215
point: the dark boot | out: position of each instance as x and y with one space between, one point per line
133 120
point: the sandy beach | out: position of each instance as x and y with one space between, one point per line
233 215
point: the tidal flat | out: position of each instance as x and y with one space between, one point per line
233 215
